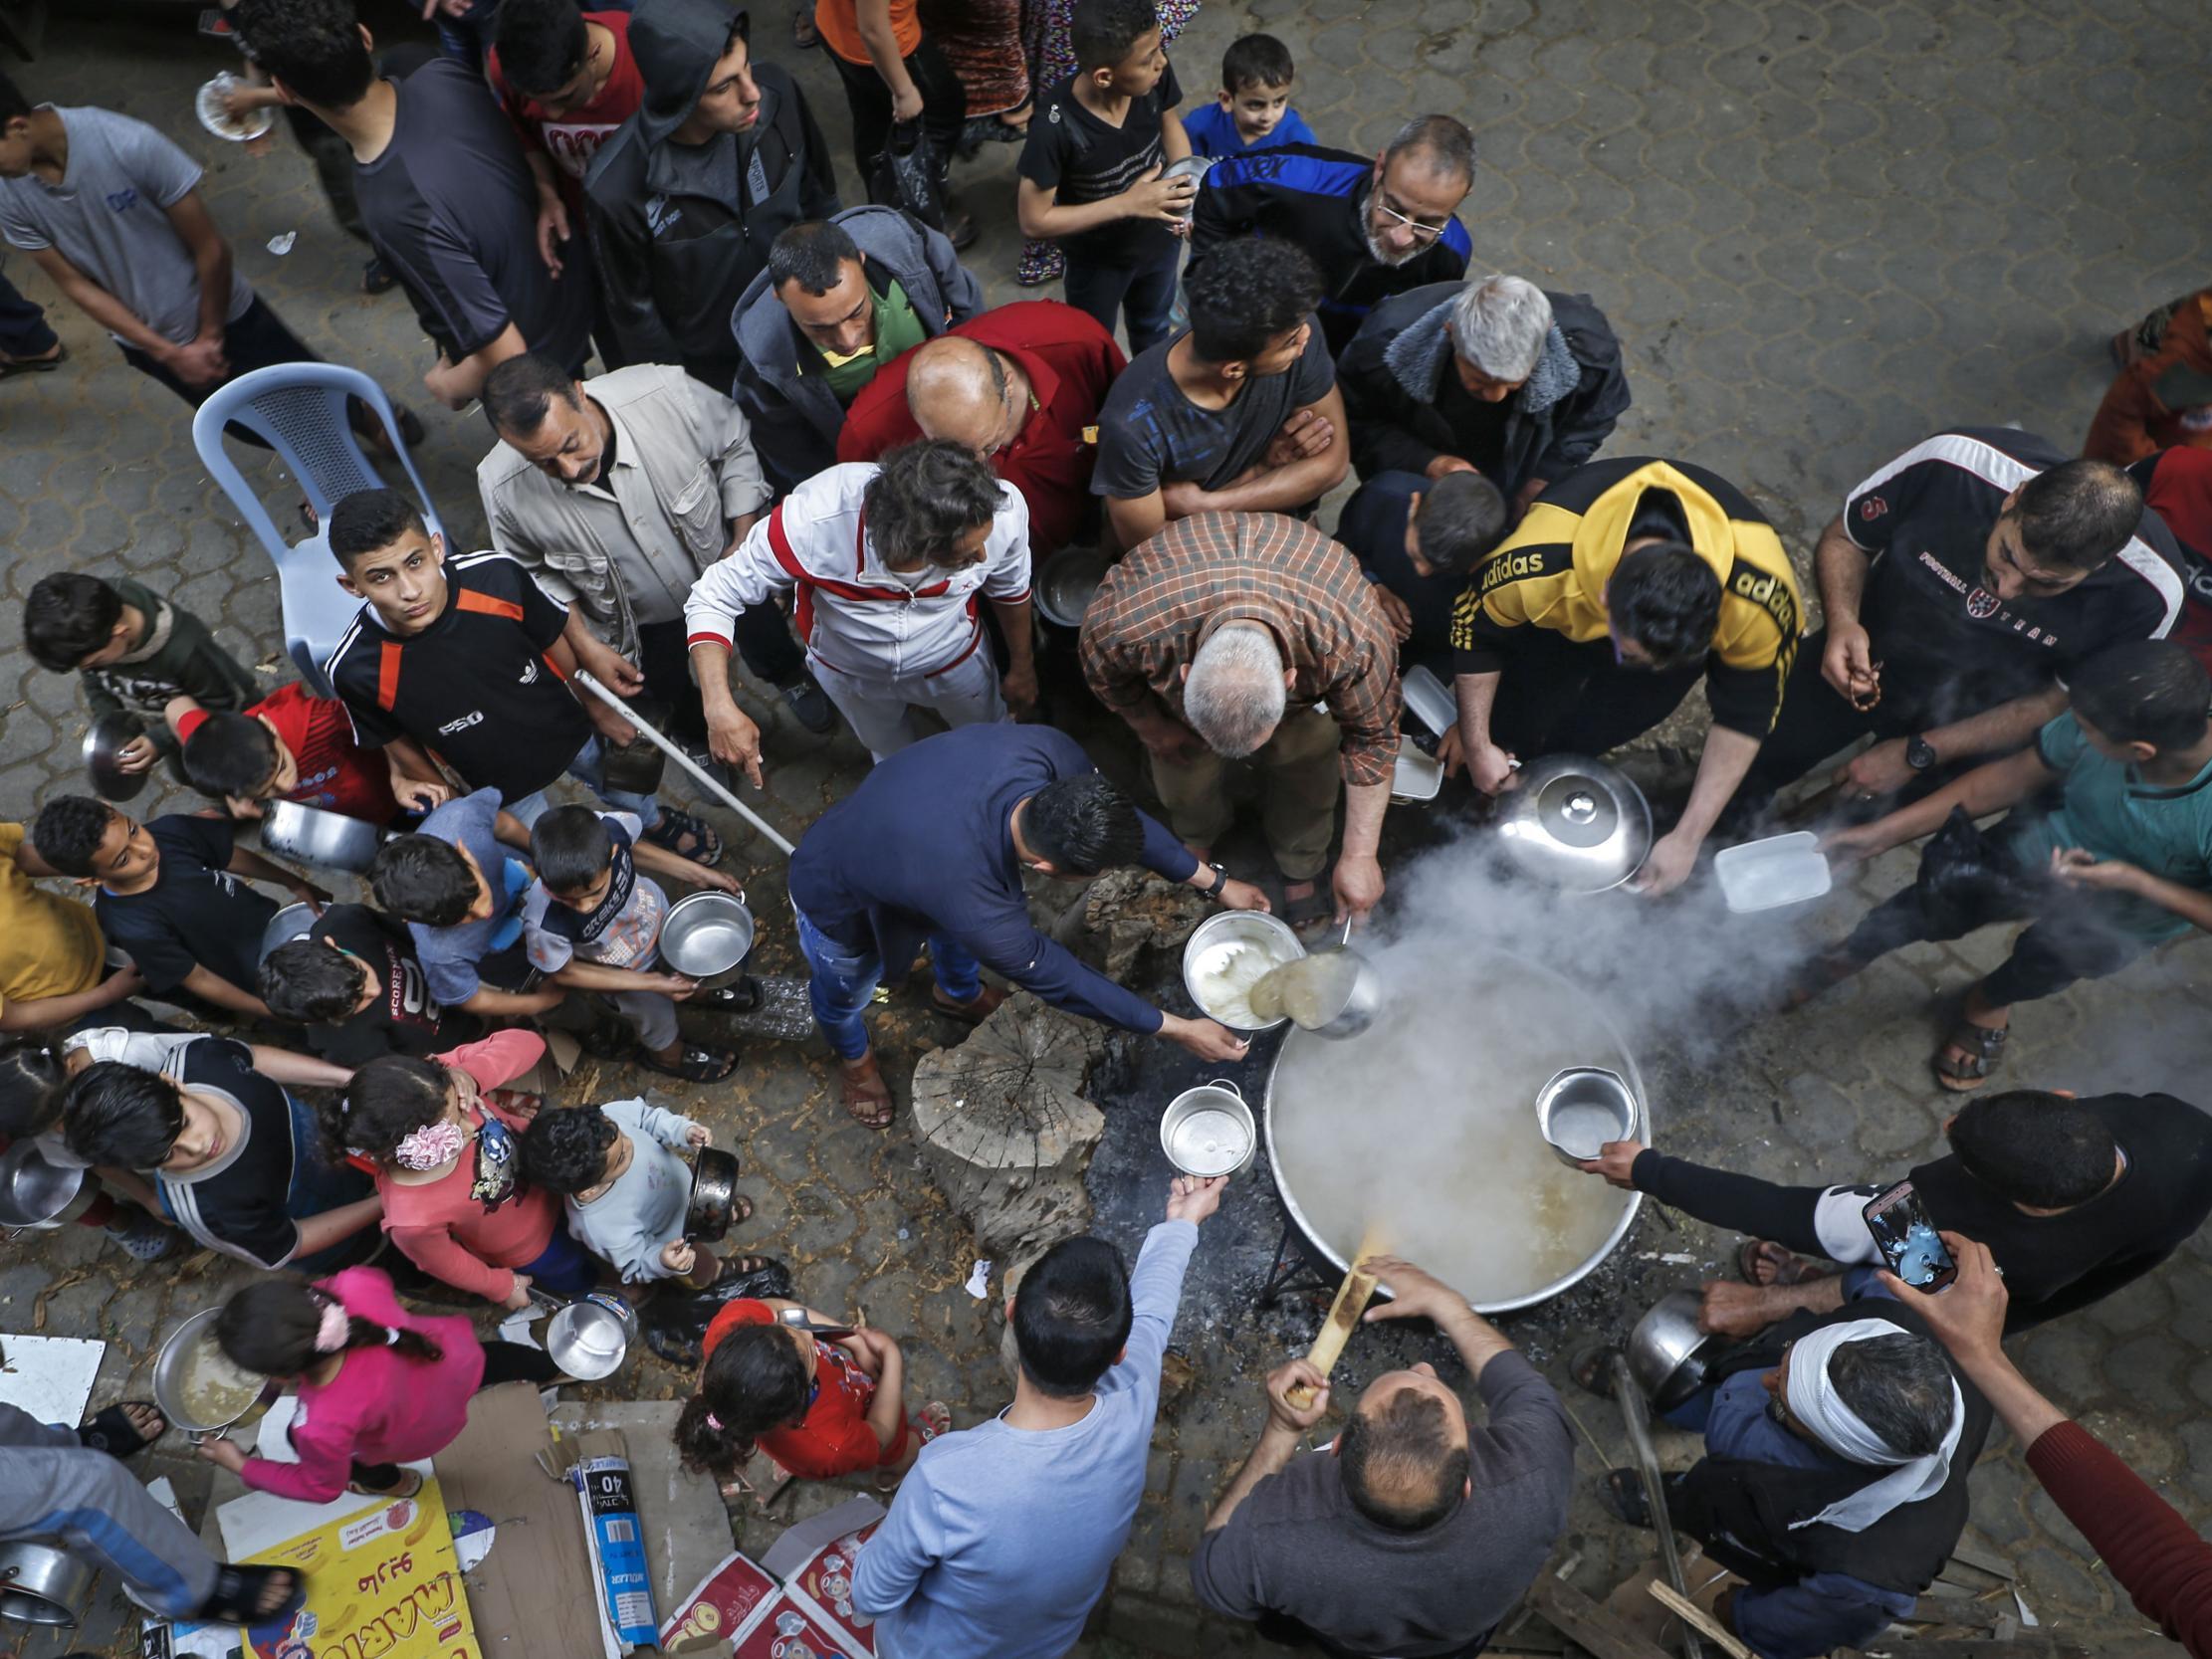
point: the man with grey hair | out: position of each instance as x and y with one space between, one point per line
1833 1488
1493 375
1375 226
1216 640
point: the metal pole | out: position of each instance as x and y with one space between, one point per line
705 779
1644 1457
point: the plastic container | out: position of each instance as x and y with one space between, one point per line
1766 875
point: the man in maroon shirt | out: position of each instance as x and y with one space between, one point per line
566 80
1021 386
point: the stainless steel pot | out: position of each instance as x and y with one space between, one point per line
1210 942
172 1369
327 840
1065 583
1667 1350
43 1584
635 767
1584 1106
288 924
714 1194
36 1195
110 735
1209 1131
707 937
590 1336
1574 823
1391 1113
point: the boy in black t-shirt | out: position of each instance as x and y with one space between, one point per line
472 660
166 892
1091 171
353 980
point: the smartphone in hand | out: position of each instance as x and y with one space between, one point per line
1905 1235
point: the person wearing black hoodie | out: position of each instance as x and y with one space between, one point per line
685 198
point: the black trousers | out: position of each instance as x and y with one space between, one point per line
2071 938
255 339
764 645
1560 697
1816 721
502 1363
23 329
944 105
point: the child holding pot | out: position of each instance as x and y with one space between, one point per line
377 1386
448 1158
820 1407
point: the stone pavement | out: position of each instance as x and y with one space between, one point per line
1820 230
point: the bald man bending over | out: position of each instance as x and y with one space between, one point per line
1413 1533
1021 386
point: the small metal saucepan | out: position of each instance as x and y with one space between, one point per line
43 1584
1584 1106
1209 1131
707 937
714 1194
590 1336
36 1195
1667 1350
635 767
191 1353
291 922
329 840
104 746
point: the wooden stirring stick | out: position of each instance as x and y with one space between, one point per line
1343 1312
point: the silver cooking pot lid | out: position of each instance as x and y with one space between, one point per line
1576 823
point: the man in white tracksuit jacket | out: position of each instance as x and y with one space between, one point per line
887 563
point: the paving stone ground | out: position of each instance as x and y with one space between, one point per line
1820 230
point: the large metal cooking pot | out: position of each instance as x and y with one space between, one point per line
43 1584
707 937
329 840
110 735
36 1195
1574 823
173 1369
1423 1124
1667 1350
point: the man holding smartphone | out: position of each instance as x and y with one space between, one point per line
2074 1197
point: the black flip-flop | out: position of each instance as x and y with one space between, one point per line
34 365
674 825
695 1065
740 998
1624 1499
1591 1365
239 1590
113 1432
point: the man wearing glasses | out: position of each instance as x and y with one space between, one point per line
1374 228
1958 585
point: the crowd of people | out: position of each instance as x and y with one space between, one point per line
811 447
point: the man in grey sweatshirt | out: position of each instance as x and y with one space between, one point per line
1414 1533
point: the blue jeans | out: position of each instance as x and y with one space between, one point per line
842 980
562 1268
1144 294
588 768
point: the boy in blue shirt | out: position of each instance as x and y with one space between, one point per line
2107 848
1253 110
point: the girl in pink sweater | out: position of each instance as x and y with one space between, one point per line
449 1169
378 1387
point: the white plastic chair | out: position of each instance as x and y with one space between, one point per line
300 411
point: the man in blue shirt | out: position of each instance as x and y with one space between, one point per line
1001 1536
1834 1483
932 845
1374 227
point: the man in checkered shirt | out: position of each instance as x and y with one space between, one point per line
1217 640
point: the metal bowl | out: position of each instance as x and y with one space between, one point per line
1576 823
103 747
173 1365
208 105
1211 942
35 1194
1209 1131
288 924
714 1194
1584 1106
329 840
1667 1350
589 1338
1065 583
43 1585
707 937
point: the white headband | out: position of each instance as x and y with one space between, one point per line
1814 1402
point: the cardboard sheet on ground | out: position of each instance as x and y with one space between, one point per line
48 1378
687 1531
741 1608
532 1594
383 1580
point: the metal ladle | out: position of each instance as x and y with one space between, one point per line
1331 993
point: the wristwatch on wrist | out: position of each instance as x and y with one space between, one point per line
1920 753
1220 880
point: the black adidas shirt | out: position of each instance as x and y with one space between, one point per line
1946 644
404 1019
476 686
